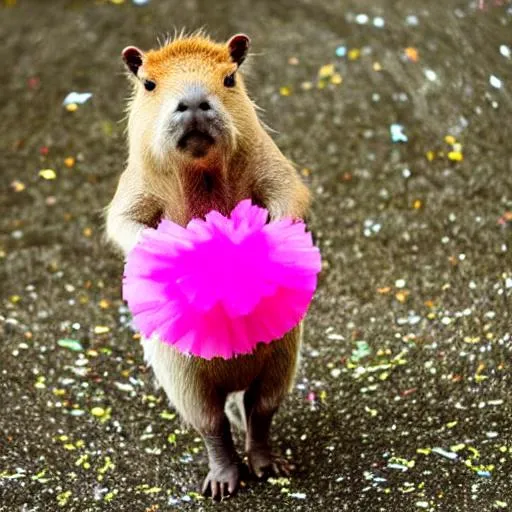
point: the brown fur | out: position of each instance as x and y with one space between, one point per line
246 165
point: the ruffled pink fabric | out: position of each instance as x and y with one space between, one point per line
221 285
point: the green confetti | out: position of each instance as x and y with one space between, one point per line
361 351
71 344
166 415
63 498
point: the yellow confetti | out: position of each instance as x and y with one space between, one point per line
69 161
354 54
326 71
117 2
101 329
40 382
47 174
424 451
336 79
417 204
401 296
451 424
98 412
104 304
71 107
14 299
450 139
384 290
377 66
18 186
430 155
306 86
455 156
285 91
87 232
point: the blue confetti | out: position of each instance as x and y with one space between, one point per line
341 51
397 133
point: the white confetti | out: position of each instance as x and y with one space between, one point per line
431 75
444 453
378 22
362 19
412 20
495 81
505 51
77 97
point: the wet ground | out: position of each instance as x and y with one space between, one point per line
404 398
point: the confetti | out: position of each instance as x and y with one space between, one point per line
445 453
362 19
48 174
18 186
326 71
412 54
378 22
354 54
361 351
412 20
70 344
431 75
98 412
69 162
495 82
76 98
397 133
341 51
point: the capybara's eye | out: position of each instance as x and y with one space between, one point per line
229 81
149 85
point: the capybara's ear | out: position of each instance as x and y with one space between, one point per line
132 57
238 47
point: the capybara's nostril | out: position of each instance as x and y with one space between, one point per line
204 105
181 107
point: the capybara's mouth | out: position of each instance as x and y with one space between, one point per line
196 142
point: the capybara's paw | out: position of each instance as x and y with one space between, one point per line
222 482
264 464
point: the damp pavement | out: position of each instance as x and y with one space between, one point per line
398 115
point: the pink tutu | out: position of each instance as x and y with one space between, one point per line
221 285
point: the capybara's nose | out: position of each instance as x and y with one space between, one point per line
194 103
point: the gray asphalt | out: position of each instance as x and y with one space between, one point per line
404 397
